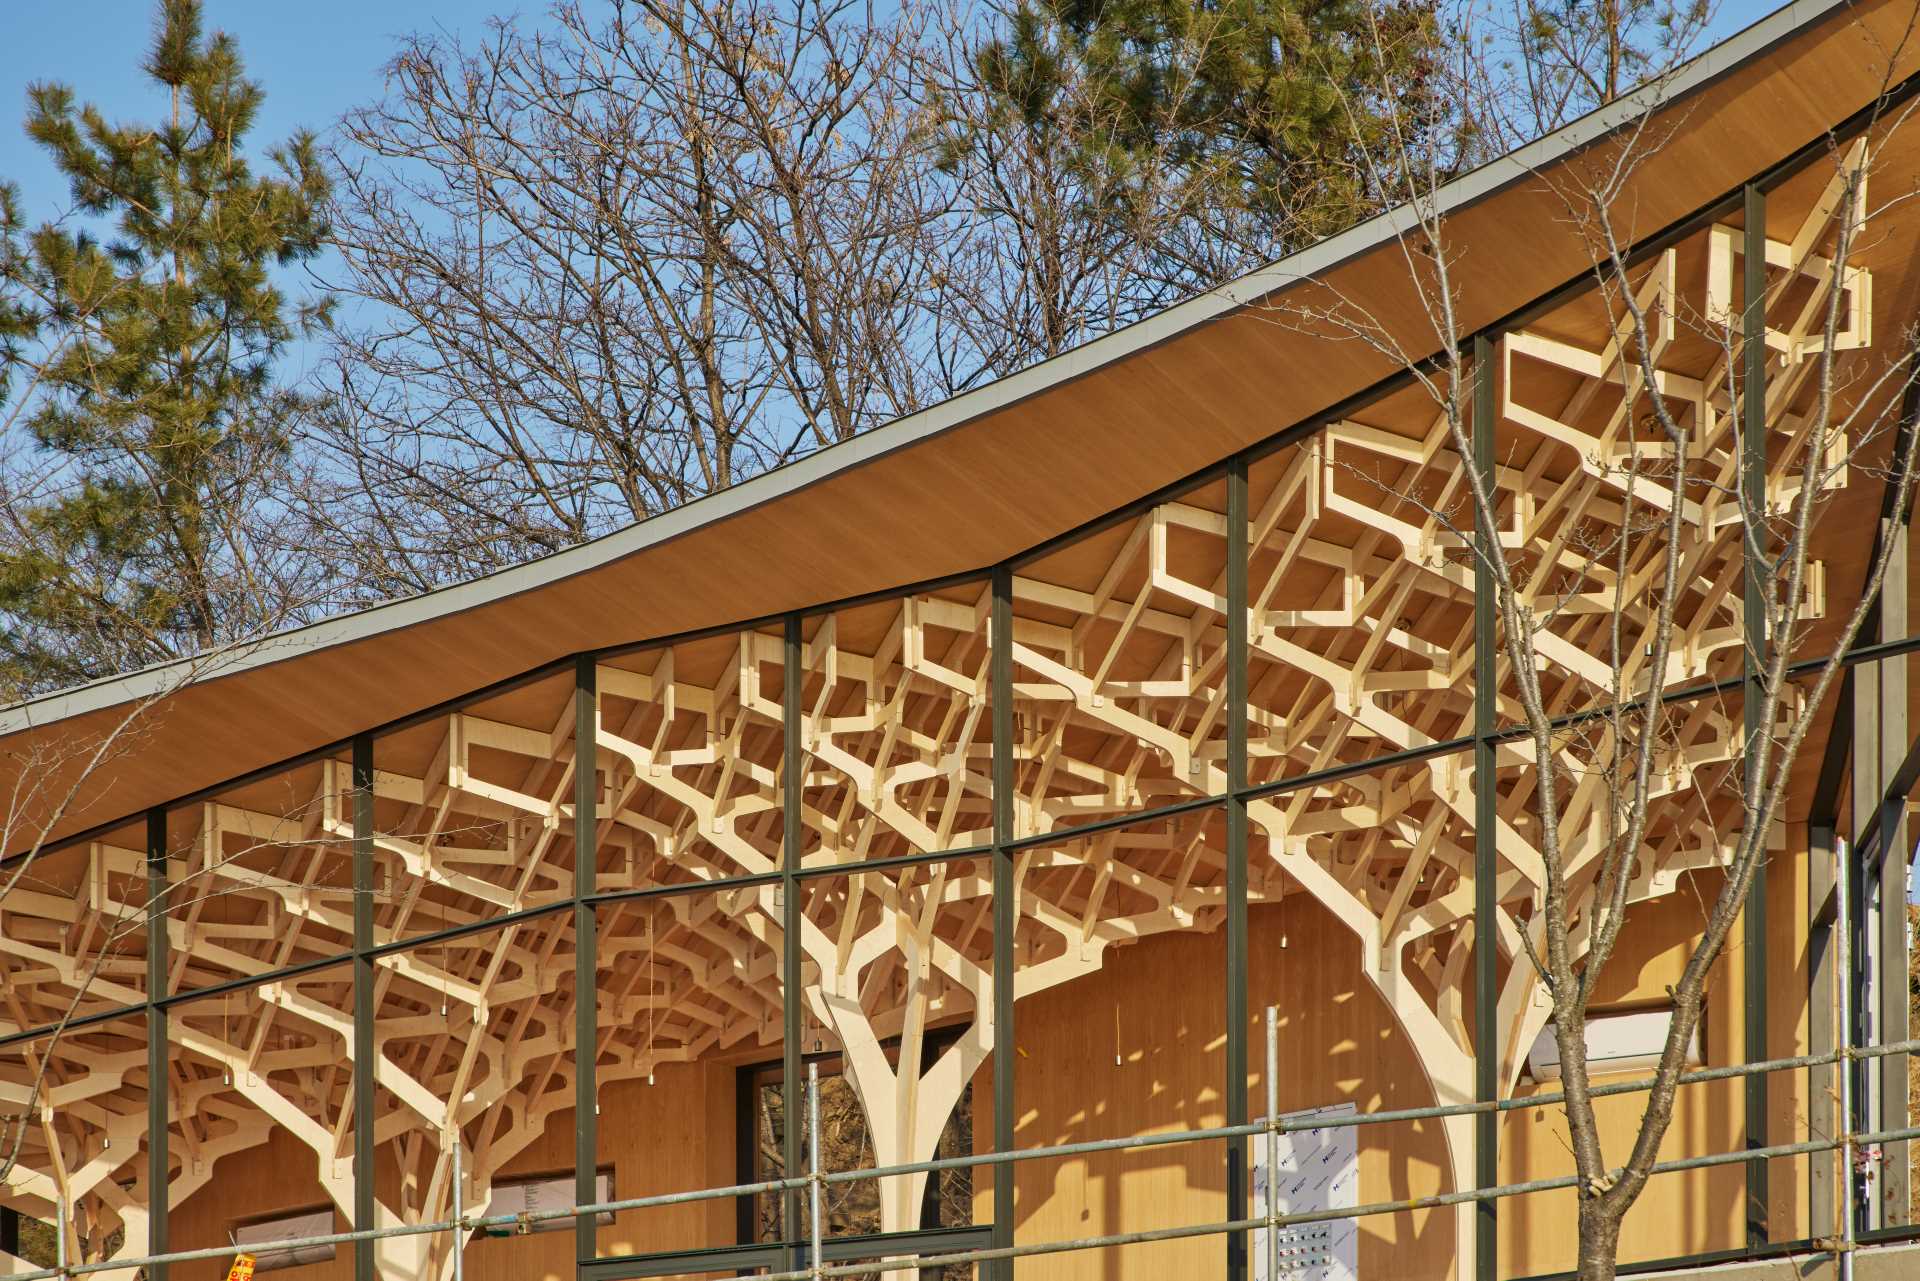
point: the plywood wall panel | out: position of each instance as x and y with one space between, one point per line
1159 1006
1679 1213
674 1136
1139 1047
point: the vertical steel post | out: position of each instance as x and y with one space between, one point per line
1236 853
1856 878
1486 863
1844 933
1273 1144
1005 1057
1891 984
157 1047
793 781
1756 715
586 954
364 1047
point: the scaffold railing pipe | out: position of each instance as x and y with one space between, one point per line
816 1180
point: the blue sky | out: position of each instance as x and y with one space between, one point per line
315 59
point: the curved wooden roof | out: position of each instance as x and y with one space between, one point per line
988 475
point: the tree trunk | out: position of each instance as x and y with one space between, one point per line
1599 1240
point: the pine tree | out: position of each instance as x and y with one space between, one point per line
1272 108
138 339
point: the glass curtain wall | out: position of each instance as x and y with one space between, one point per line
1021 860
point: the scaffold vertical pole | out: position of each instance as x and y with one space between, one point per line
459 1213
813 1167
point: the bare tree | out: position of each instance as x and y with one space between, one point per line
609 266
59 782
1605 602
1526 67
620 264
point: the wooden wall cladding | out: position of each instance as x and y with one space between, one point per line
1696 1210
1337 1044
673 1136
1139 1048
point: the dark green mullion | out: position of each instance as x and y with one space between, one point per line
1486 1022
363 1041
157 1050
586 954
1891 985
1236 923
1753 495
793 1117
1004 1055
1865 792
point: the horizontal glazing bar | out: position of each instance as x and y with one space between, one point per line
1276 1125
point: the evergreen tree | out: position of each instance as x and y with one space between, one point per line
1275 109
137 346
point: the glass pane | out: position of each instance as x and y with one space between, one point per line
897 727
473 812
73 931
898 1009
1120 1032
1118 668
691 750
262 1129
1684 1212
1361 938
261 877
689 1006
1360 592
1586 465
951 1272
76 1107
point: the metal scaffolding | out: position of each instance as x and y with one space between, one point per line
815 1181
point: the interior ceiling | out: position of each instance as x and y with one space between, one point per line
1040 455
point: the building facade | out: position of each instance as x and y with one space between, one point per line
1006 765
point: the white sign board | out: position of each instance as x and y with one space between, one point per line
527 1196
1319 1169
258 1239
